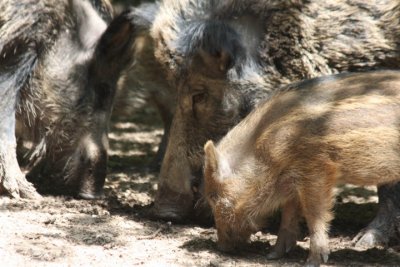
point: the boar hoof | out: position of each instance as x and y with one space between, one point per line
29 192
369 238
274 255
10 186
90 196
19 187
226 248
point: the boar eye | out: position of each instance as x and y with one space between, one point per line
199 98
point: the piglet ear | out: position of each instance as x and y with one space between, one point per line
211 161
211 173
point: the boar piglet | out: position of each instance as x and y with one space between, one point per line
292 150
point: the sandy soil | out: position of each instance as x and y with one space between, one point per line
62 231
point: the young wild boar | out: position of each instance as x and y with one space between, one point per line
292 150
60 61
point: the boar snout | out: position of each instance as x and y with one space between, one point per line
174 198
175 206
94 174
171 205
91 167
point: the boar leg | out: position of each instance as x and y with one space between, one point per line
384 225
288 230
14 71
316 202
12 180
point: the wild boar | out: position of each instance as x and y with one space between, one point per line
223 57
59 66
292 150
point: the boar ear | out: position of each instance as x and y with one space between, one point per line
214 65
90 25
114 49
112 55
214 47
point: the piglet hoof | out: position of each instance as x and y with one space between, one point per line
369 238
314 260
279 251
286 241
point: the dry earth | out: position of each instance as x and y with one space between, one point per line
62 231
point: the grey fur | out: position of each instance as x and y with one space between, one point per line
64 64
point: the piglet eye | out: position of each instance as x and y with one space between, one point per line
199 98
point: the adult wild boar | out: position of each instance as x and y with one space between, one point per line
224 56
293 149
59 65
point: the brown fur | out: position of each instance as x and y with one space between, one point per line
270 44
292 150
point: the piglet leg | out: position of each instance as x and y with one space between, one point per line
288 230
316 201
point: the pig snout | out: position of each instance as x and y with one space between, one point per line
187 204
171 205
91 168
93 177
174 198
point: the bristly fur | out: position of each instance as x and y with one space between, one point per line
47 21
299 39
64 61
223 57
293 149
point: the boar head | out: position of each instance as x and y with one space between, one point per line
217 84
72 101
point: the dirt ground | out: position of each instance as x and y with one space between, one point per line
62 231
